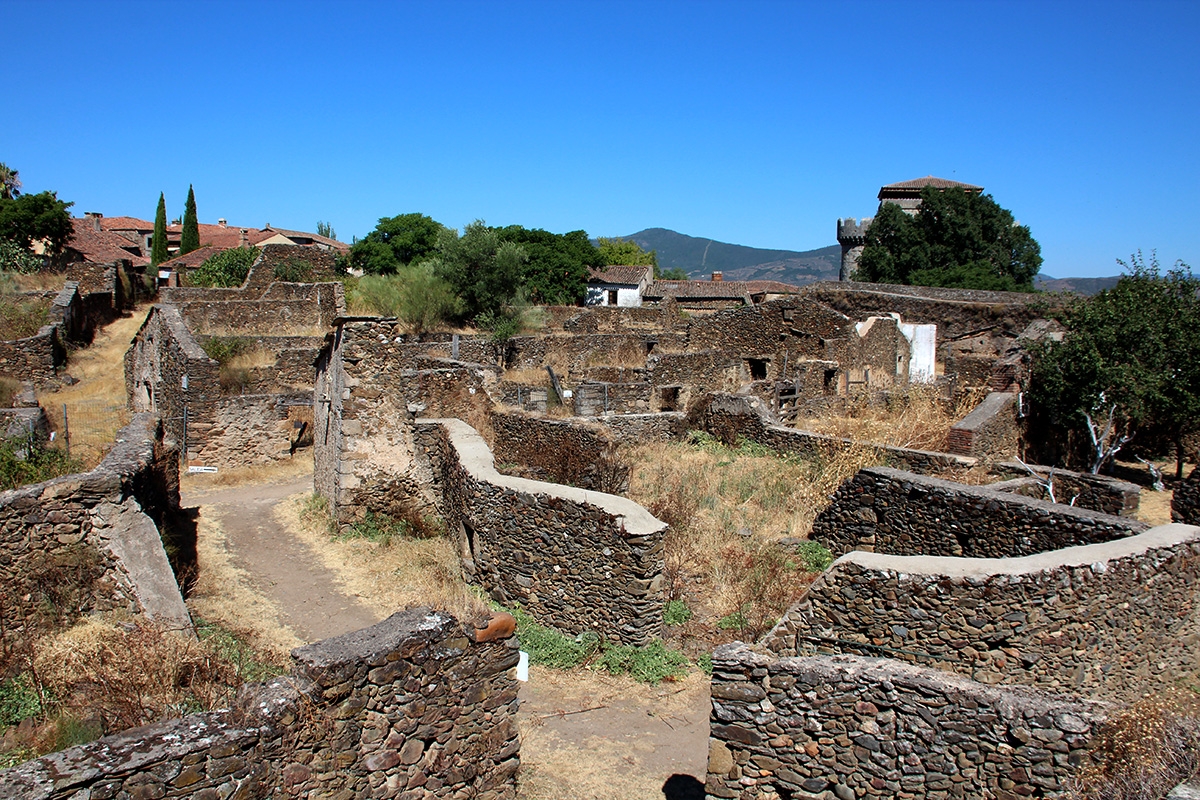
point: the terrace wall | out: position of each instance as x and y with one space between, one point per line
574 452
411 707
901 513
577 560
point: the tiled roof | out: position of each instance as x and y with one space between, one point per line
619 274
771 287
100 247
192 259
226 237
937 183
699 290
331 243
126 224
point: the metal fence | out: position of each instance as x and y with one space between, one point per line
87 429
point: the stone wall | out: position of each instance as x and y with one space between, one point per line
90 542
1080 489
297 308
728 417
571 452
593 398
635 429
411 707
1111 621
578 560
254 429
990 432
1185 503
35 358
166 371
322 265
849 727
902 513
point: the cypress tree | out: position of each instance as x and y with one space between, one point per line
190 240
158 245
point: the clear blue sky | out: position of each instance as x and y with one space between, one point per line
756 123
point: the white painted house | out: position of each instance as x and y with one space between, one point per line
618 286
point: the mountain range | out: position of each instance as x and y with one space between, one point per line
699 258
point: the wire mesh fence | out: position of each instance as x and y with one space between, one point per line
87 429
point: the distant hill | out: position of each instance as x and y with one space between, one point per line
1085 286
702 257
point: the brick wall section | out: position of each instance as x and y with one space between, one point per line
850 727
571 452
408 708
729 416
902 513
1185 503
1111 621
990 432
577 560
90 542
162 356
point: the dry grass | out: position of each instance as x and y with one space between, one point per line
40 281
282 471
400 572
96 405
1154 508
919 419
1145 751
727 509
526 376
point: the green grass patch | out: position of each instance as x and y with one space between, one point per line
378 528
550 648
652 663
676 612
814 556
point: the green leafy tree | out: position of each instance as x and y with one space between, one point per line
325 229
957 239
36 217
1126 367
395 242
158 245
190 238
617 252
14 258
557 265
10 184
227 268
483 269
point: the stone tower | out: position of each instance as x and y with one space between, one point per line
852 233
852 236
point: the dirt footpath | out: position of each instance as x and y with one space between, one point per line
584 735
281 568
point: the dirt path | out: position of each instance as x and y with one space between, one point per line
281 568
585 735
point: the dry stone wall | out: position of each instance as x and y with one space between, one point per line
575 453
846 727
166 371
902 513
1185 503
729 417
577 560
254 429
409 708
1080 489
990 432
1111 621
90 542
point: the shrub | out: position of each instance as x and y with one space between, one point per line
814 556
15 258
294 270
19 700
227 268
550 648
414 295
378 528
25 460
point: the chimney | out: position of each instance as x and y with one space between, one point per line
242 240
94 216
221 222
718 277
